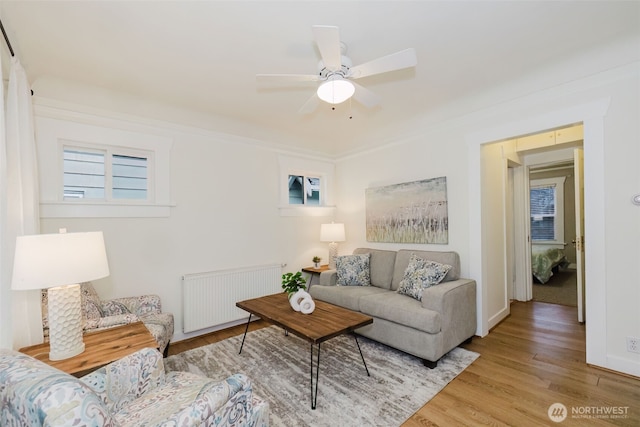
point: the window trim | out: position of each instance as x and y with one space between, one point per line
309 168
558 223
54 134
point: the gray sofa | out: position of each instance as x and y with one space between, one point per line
428 329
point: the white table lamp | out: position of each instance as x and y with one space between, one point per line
332 233
60 262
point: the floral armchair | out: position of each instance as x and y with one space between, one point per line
101 314
132 391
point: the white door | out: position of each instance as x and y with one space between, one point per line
578 169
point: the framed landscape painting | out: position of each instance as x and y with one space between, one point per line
411 212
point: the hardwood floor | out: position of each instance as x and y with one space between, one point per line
533 359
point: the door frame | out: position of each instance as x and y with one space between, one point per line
550 158
592 115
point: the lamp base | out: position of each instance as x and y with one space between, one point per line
333 253
65 322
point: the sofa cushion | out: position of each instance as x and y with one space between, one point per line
344 296
381 265
35 394
404 256
420 275
353 270
401 309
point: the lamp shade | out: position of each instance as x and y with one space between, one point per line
48 260
332 232
336 90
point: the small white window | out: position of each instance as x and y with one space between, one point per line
104 175
306 187
102 171
546 206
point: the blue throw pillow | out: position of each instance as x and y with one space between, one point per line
420 275
353 270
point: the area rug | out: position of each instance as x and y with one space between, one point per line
278 366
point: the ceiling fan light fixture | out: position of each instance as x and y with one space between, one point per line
336 90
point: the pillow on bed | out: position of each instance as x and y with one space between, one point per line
420 275
353 270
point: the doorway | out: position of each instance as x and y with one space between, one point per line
482 260
553 223
554 231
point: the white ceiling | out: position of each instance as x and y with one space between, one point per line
203 56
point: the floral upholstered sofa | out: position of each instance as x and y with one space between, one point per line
102 314
133 391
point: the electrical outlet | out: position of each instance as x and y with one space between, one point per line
633 344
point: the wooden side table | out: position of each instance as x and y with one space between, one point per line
101 348
313 272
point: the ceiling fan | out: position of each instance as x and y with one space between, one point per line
336 71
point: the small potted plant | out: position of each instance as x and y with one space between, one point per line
316 261
291 282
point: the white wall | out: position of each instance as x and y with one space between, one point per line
226 202
452 149
226 196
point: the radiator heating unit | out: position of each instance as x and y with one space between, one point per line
209 299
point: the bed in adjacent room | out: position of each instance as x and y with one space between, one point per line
544 258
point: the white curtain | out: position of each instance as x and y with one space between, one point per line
6 334
21 314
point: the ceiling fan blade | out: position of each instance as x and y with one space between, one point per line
288 78
328 41
365 96
396 61
310 105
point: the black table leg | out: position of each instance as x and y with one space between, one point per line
314 393
361 355
245 334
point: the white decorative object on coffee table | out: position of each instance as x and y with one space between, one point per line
301 301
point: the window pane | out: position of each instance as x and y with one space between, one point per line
129 177
312 188
543 212
543 201
296 196
543 229
83 174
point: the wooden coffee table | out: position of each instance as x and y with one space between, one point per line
101 348
327 321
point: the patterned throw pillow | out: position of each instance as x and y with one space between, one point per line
420 275
353 270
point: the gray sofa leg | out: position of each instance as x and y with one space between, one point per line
429 364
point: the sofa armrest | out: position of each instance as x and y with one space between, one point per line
140 305
328 278
110 321
456 303
218 403
126 379
33 393
242 397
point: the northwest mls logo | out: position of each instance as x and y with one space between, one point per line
557 412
